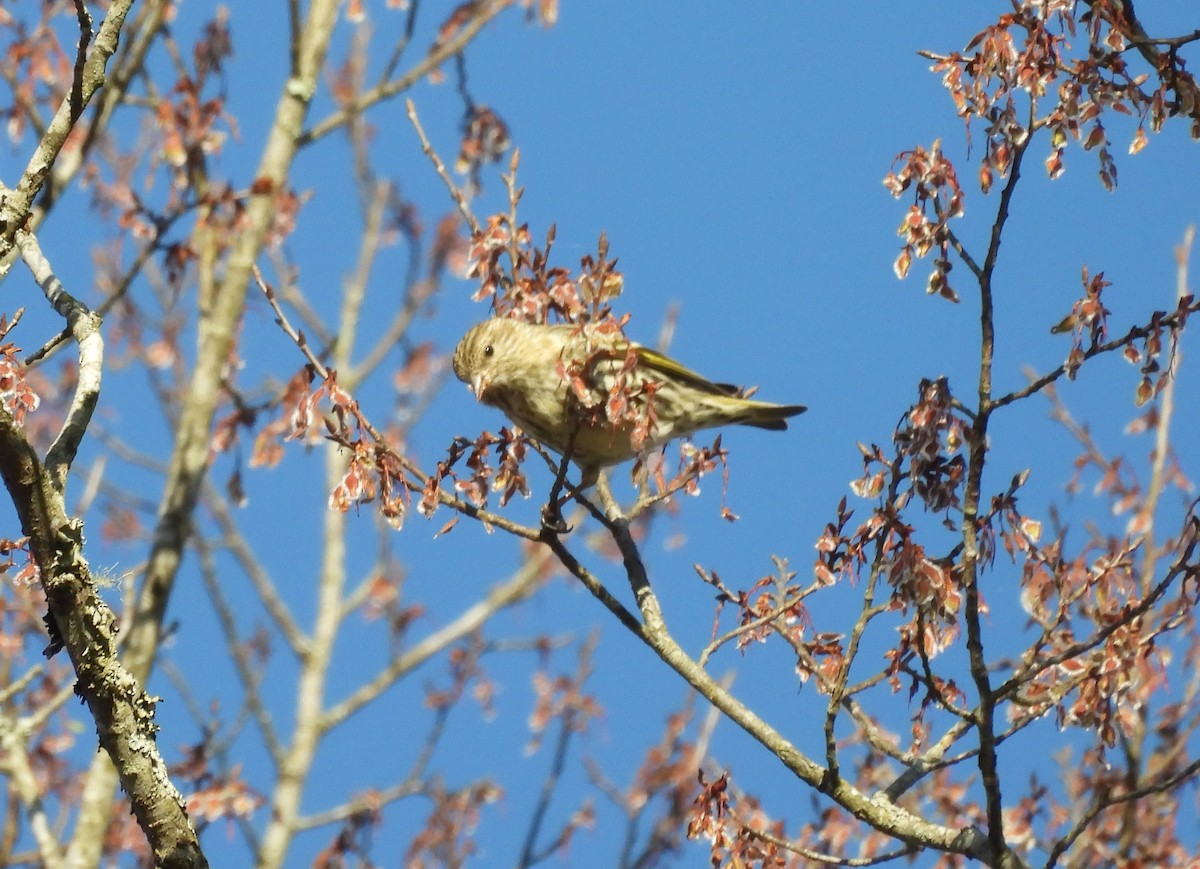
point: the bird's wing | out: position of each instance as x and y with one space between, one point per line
655 361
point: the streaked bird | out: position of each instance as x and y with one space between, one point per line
557 381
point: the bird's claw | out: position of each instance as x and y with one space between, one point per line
552 519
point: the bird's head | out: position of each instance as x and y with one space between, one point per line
477 359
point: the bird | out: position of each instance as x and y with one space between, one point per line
588 392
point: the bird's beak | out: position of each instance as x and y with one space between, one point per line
479 385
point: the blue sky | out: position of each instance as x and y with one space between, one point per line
733 154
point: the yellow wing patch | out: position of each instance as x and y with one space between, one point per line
656 361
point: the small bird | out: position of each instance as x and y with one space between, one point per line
589 391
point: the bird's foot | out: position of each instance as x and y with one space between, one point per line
552 518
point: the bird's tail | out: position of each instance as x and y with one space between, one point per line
762 414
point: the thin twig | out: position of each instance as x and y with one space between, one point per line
460 199
436 57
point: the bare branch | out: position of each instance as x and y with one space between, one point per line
438 55
85 326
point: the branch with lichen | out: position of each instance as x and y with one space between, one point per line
79 620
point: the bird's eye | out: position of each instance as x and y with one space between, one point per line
489 350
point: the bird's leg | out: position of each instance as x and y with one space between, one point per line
552 518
